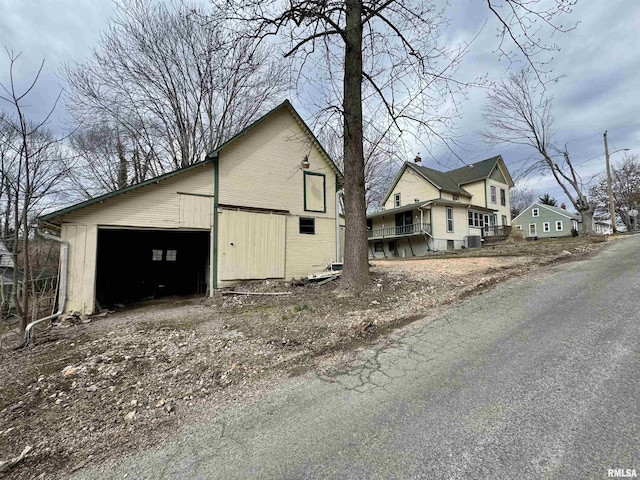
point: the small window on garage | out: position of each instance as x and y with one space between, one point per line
378 247
156 255
172 255
308 226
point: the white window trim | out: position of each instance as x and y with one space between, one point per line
561 226
546 227
493 194
535 230
535 212
396 200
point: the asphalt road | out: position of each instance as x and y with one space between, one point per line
537 378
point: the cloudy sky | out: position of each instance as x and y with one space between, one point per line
598 60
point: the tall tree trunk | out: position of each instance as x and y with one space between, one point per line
587 221
356 262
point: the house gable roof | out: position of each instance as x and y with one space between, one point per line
286 105
439 180
556 210
480 171
208 159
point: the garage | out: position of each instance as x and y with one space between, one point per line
138 264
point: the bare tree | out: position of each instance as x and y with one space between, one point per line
382 157
519 199
626 192
387 52
547 199
31 174
172 83
518 113
107 159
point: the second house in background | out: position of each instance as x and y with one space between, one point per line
428 210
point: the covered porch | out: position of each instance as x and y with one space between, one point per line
402 231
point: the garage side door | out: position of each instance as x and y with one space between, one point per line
251 245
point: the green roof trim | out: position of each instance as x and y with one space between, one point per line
208 159
58 213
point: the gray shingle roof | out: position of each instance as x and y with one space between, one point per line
561 211
473 172
440 179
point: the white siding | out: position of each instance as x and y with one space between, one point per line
411 186
156 205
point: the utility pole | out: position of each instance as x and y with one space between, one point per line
612 209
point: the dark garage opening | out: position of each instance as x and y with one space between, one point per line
134 265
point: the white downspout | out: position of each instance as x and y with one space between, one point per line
339 194
62 286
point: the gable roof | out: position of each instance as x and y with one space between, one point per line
479 171
440 180
556 210
287 105
208 159
115 193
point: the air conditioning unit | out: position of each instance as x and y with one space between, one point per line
474 241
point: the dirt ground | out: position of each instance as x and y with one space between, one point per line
91 391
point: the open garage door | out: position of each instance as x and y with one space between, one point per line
137 264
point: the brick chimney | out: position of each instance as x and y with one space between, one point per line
418 160
563 206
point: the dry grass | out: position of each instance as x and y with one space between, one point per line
165 359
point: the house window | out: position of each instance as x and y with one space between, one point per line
558 225
532 230
378 247
503 197
172 255
456 198
546 227
156 255
369 223
314 192
535 212
504 219
493 194
478 220
449 219
396 200
308 226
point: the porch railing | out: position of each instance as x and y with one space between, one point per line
401 231
497 231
